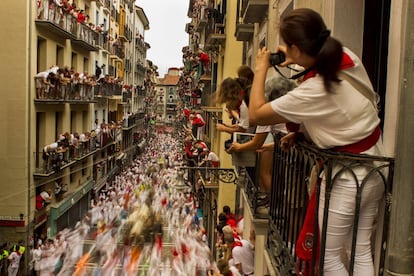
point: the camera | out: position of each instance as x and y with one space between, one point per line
228 143
277 58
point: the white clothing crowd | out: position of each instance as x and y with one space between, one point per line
127 225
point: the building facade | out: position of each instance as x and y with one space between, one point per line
80 81
166 97
384 52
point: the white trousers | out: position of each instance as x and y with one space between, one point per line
341 219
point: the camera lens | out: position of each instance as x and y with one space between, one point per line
277 58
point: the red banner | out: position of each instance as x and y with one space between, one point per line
12 223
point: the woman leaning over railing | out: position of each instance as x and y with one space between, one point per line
336 106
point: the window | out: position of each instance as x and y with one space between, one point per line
85 122
85 64
74 60
40 137
41 54
59 55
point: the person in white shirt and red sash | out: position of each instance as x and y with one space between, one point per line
336 116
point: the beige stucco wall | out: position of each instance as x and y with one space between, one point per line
230 59
14 109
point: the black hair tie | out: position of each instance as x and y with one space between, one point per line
324 35
321 40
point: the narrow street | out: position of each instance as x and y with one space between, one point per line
146 223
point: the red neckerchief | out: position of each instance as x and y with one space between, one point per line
241 93
346 63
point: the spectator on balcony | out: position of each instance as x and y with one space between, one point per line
96 123
98 70
76 86
99 28
52 149
83 84
275 87
86 21
81 17
96 136
59 11
234 97
198 150
197 123
84 142
58 3
91 84
40 9
234 94
245 72
66 6
42 199
337 114
64 82
204 59
69 7
73 144
55 81
43 83
211 159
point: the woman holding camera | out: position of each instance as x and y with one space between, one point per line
335 115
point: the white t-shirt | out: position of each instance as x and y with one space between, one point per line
82 137
53 69
45 196
14 260
244 116
213 158
263 129
52 147
42 75
342 117
244 255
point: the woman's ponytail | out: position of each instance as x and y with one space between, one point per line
328 61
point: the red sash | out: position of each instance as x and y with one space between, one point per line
363 145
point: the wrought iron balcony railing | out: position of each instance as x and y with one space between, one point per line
289 199
56 20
